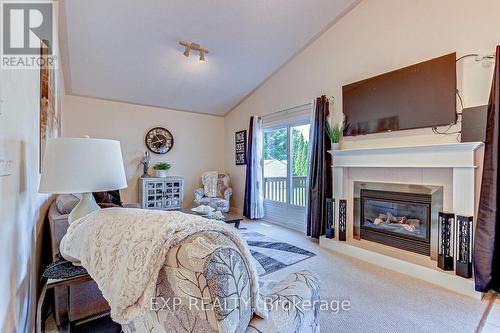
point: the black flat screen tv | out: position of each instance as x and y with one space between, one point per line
417 96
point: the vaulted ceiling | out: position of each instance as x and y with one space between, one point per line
127 50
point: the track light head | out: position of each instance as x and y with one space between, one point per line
188 46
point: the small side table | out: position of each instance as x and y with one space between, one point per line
59 273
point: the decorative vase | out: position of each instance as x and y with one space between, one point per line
335 145
161 173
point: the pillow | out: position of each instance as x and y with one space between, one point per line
209 181
222 184
108 197
65 203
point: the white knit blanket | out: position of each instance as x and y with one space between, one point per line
123 250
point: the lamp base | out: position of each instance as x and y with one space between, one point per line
86 206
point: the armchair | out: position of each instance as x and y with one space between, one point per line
220 195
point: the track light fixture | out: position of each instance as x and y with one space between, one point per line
188 46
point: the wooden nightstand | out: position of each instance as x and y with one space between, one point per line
60 273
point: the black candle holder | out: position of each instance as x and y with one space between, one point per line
330 217
445 240
342 219
463 252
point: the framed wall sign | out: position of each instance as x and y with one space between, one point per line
240 142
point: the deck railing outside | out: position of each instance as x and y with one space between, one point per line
275 189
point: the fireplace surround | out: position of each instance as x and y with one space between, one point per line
448 171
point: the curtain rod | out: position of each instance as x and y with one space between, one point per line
286 110
330 98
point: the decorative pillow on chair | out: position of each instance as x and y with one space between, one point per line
209 181
222 184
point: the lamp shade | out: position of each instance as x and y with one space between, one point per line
81 165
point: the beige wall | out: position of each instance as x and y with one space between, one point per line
198 139
375 37
22 209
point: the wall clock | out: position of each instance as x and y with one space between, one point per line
159 140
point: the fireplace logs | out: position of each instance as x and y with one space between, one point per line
409 224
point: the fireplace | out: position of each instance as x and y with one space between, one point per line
398 219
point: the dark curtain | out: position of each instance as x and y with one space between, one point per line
248 182
487 240
320 172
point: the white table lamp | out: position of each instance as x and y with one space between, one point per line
82 165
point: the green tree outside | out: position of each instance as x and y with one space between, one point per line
275 148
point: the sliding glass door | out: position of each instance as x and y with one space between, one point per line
286 147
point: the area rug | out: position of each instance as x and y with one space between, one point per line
271 255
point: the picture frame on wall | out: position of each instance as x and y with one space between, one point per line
240 143
50 113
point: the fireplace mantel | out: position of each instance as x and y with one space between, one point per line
461 158
451 155
455 166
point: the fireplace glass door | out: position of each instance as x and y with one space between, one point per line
397 219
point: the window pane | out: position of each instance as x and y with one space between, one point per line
300 162
300 149
275 165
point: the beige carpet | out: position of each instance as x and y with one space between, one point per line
381 300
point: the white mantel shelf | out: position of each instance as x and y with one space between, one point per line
451 155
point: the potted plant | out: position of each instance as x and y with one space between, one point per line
161 169
335 133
